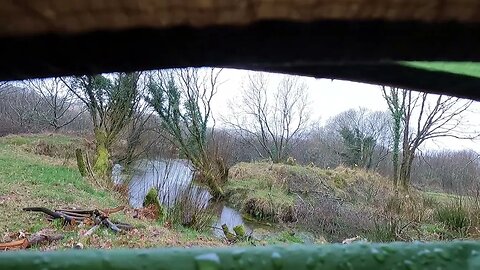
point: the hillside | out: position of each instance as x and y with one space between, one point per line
337 203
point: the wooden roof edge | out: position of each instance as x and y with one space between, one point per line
75 16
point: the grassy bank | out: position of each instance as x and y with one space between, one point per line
294 204
36 170
342 203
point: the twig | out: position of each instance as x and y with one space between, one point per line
91 231
111 225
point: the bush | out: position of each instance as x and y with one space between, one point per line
454 216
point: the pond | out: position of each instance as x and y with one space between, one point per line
172 177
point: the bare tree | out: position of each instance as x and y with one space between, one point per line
447 170
110 100
56 103
182 99
426 117
16 107
271 122
365 136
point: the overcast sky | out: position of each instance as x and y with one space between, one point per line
328 98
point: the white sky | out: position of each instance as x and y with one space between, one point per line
328 98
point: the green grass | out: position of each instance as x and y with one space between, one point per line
441 197
46 181
454 216
262 199
31 180
30 139
258 188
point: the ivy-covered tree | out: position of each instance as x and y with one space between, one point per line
364 137
424 117
358 151
395 99
182 99
110 100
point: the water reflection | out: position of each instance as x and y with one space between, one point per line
232 218
172 177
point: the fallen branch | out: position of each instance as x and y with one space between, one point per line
74 216
55 215
112 210
18 244
111 225
33 240
37 239
91 231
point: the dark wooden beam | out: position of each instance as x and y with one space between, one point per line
273 44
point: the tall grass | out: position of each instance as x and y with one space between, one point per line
184 203
190 209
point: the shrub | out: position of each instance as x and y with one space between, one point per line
454 216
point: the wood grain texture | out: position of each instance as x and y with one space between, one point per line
23 17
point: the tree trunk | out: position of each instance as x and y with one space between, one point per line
81 162
405 168
102 159
215 188
396 149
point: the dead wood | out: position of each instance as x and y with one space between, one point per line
17 244
74 216
55 215
33 240
91 231
111 225
37 239
113 210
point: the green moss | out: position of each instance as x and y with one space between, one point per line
239 230
102 166
151 198
80 162
102 162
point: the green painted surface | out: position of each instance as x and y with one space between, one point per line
471 69
446 255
